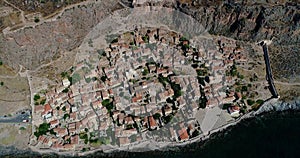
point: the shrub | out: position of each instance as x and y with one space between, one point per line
250 102
226 106
259 101
66 116
103 78
244 88
115 40
109 105
43 102
156 116
36 19
36 97
66 90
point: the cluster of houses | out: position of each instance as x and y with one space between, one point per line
217 62
123 95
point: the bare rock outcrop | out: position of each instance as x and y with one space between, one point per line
30 47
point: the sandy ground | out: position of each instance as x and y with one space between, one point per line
14 95
11 135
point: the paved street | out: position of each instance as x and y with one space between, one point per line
17 118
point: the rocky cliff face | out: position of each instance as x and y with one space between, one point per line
250 21
253 22
279 106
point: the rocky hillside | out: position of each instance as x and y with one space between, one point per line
253 22
243 20
33 46
250 21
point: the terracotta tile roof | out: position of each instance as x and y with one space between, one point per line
41 139
73 115
78 125
54 123
137 98
68 146
84 121
152 122
47 108
74 139
128 120
183 134
57 145
61 131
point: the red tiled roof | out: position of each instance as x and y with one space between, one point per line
73 115
47 108
137 98
53 122
183 134
74 139
152 121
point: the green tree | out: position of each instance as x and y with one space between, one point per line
226 106
64 74
52 132
156 116
233 70
36 19
244 88
42 129
145 72
43 102
145 38
1 83
259 101
36 97
103 78
66 116
167 119
250 102
109 105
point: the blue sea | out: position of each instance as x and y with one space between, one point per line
274 135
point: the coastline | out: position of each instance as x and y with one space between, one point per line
270 106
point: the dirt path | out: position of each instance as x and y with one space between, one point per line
49 18
287 83
22 12
14 76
